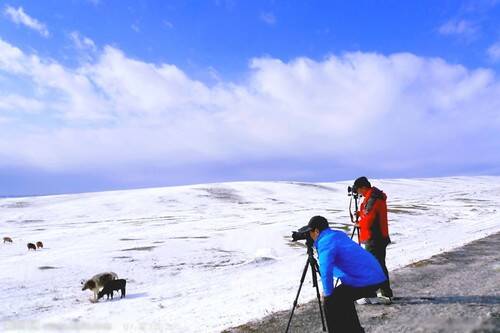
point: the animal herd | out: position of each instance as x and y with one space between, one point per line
31 246
101 284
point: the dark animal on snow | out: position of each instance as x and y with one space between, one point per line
7 240
98 281
39 245
31 246
110 286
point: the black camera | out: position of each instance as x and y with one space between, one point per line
351 190
301 234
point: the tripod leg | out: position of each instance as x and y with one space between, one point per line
318 297
357 218
298 293
353 231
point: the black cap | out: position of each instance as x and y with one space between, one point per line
318 222
361 182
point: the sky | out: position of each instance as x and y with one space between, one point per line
101 95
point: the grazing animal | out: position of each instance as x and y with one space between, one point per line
7 240
98 281
31 246
39 245
112 285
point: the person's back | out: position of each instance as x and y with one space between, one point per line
342 258
373 212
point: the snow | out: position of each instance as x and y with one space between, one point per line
206 257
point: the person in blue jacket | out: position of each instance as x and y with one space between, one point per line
359 272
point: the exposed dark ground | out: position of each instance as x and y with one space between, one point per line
457 291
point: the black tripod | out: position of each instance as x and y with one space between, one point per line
311 261
354 218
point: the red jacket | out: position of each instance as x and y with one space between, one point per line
373 224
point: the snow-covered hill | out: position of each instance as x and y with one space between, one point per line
205 257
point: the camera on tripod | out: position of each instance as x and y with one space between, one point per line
301 234
304 234
352 191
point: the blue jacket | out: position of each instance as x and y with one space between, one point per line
342 258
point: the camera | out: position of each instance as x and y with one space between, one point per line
301 234
352 191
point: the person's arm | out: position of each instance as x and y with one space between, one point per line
368 214
326 255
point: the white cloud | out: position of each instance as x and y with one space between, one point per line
268 18
19 16
82 42
459 28
494 52
400 110
168 24
78 97
135 27
16 103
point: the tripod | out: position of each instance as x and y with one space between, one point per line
311 261
354 195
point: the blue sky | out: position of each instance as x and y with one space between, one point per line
98 94
224 35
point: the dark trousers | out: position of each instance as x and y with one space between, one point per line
340 310
378 249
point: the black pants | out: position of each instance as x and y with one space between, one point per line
378 249
340 310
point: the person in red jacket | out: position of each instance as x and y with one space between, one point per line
373 226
